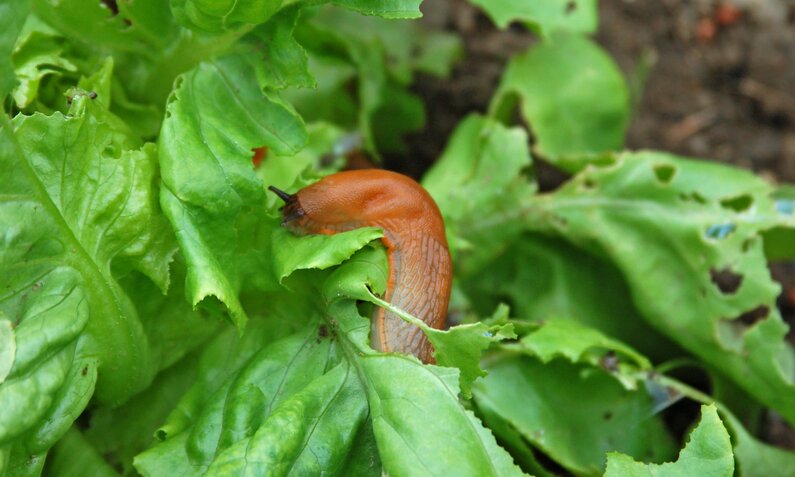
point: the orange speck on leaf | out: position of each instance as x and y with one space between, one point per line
259 154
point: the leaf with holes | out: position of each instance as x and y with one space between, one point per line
544 17
571 94
687 237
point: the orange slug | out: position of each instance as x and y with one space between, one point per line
420 268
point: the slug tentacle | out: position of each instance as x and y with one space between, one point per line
420 267
287 198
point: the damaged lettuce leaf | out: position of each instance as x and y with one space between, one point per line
545 17
672 229
708 452
707 262
639 246
571 94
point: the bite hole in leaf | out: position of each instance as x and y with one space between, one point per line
664 173
680 414
726 280
785 206
110 5
548 176
720 231
753 316
741 203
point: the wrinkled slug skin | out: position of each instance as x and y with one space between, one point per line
420 268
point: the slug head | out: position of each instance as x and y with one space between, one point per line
292 209
352 199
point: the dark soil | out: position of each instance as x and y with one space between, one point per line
721 86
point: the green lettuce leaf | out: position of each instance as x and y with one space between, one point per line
393 9
12 19
39 53
708 452
223 15
208 180
571 94
285 62
382 56
580 344
310 433
277 406
707 260
74 455
415 409
755 458
544 17
479 178
120 433
132 27
564 282
147 45
245 404
546 405
77 208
